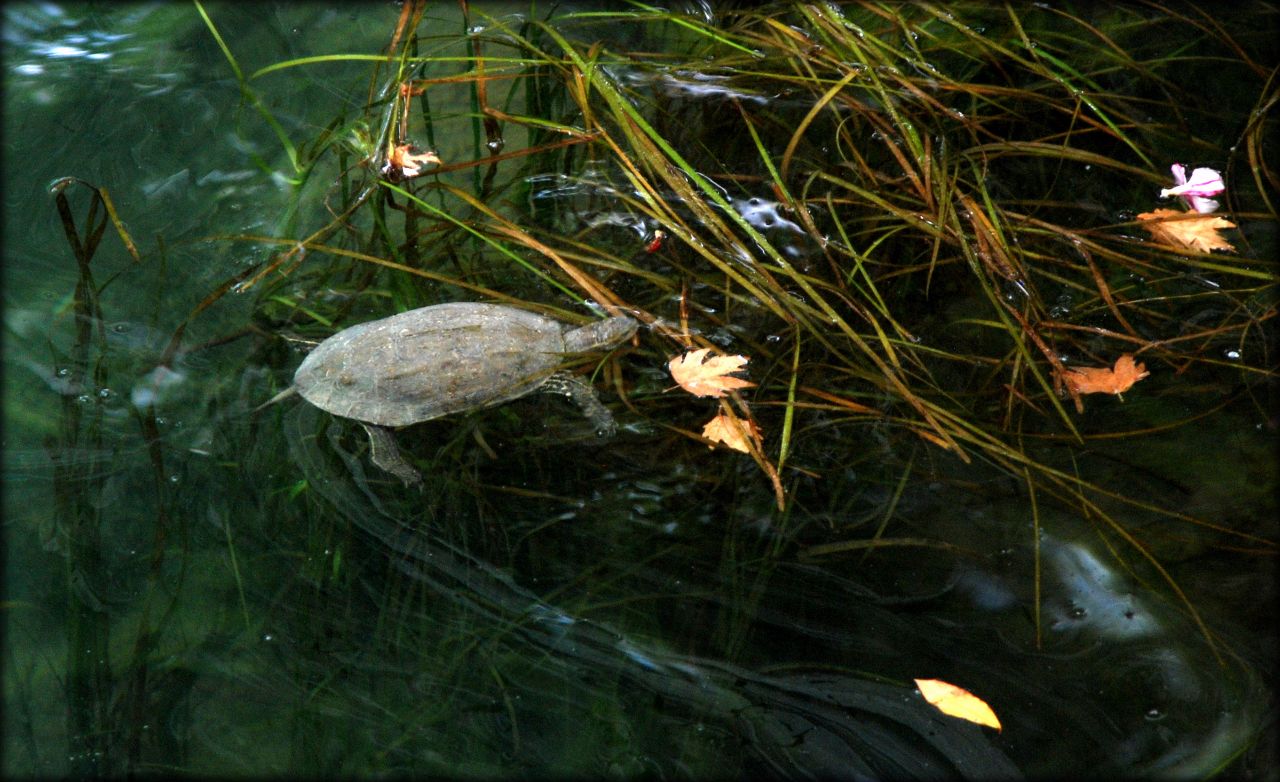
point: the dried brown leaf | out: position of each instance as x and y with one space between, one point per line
1187 230
702 376
732 431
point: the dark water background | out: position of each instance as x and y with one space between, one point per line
220 592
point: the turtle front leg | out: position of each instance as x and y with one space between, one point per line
384 452
584 396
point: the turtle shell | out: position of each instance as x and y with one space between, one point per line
430 362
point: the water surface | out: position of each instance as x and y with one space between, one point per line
198 587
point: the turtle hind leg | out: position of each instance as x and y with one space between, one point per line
384 452
584 396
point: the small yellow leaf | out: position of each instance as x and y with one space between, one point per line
732 431
702 376
957 702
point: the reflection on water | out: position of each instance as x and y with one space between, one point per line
1093 598
44 32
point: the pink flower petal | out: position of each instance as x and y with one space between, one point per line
1202 205
1206 180
1195 191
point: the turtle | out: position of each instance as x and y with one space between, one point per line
448 358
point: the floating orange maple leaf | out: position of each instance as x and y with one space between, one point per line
957 702
732 431
1187 230
702 376
1104 380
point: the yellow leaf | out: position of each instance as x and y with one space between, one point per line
1187 230
732 431
957 702
710 377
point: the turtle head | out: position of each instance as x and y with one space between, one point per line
601 334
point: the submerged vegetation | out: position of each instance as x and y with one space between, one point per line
920 224
929 232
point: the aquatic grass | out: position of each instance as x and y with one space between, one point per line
109 662
78 520
962 188
708 205
249 95
982 243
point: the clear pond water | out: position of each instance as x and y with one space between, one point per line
195 586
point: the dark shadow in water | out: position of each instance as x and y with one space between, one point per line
799 723
1124 683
